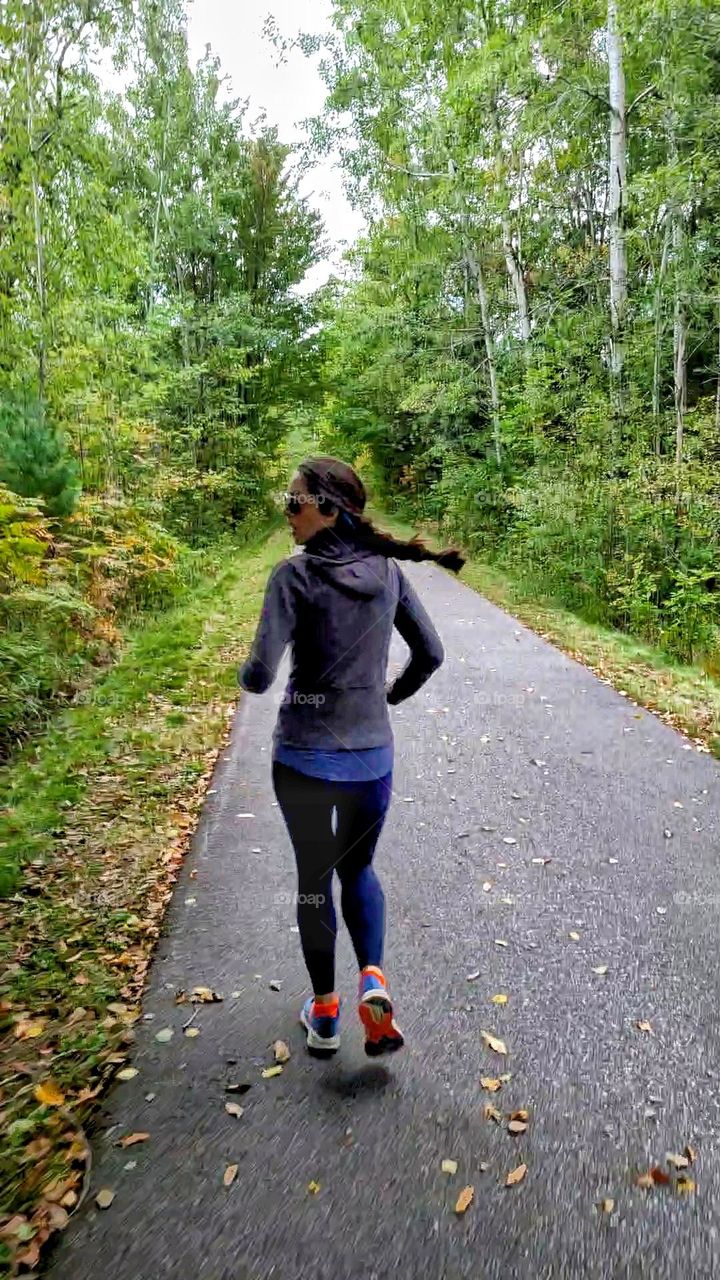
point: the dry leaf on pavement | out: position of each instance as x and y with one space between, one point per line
691 1153
574 935
601 969
644 1026
499 999
281 1051
464 1200
490 1083
492 1113
516 1175
677 1162
269 1072
234 1109
127 1073
517 1126
607 1206
230 1175
449 1166
131 1139
104 1198
685 1184
313 1187
204 995
492 1042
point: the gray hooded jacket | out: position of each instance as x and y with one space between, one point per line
336 604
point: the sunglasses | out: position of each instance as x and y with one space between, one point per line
292 503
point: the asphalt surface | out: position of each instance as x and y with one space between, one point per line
508 740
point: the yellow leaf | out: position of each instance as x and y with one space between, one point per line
516 1175
492 1113
192 1032
230 1174
520 1115
490 1083
127 1073
104 1198
464 1200
313 1187
499 999
449 1166
493 1043
644 1026
574 935
269 1072
685 1184
608 1205
29 1029
601 970
234 1109
50 1094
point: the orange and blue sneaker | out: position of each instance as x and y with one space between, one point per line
322 1023
382 1034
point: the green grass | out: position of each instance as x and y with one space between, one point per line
95 817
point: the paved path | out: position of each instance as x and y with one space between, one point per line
510 739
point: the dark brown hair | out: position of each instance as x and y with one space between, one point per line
337 484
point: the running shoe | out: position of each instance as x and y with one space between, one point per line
322 1023
382 1034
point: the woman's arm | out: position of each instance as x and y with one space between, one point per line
274 632
426 649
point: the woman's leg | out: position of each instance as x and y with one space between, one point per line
306 804
362 808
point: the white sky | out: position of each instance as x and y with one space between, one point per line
286 94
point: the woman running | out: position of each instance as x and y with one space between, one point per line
336 605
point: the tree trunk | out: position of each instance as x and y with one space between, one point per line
616 210
679 349
38 232
657 361
474 268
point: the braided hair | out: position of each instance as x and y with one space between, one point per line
337 485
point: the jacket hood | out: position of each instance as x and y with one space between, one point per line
346 564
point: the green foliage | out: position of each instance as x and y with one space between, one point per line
34 461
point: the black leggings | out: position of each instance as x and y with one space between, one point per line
307 805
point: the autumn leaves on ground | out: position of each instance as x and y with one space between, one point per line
102 808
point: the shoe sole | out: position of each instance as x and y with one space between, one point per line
318 1046
382 1035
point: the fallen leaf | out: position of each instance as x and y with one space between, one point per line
192 1032
313 1187
237 1088
607 1206
500 942
685 1184
575 936
522 1114
691 1154
269 1072
464 1200
506 1078
601 969
517 1126
499 999
234 1109
473 977
275 985
104 1198
50 1094
165 1036
230 1175
29 1029
509 840
281 1051
487 886
203 995
490 1084
131 1139
449 1166
516 1175
492 1042
644 1026
127 1073
492 1113
654 1177
541 862
677 1162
